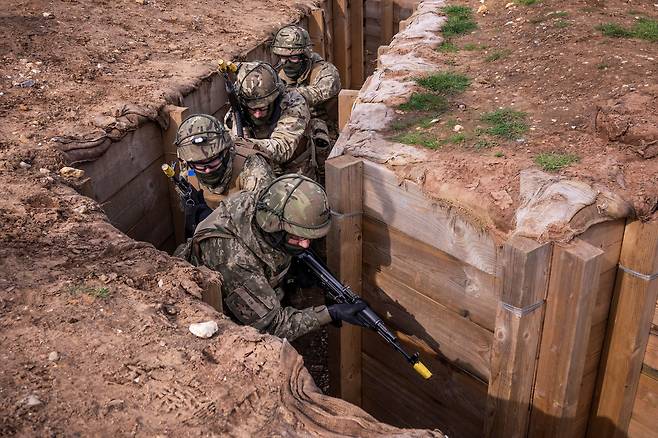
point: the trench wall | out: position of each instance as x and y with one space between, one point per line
524 338
127 180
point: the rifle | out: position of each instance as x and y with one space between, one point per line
194 206
343 294
225 67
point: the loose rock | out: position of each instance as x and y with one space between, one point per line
24 165
458 128
32 400
204 329
44 171
53 356
71 172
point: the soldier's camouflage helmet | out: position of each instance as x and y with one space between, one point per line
204 139
292 40
294 204
257 84
201 137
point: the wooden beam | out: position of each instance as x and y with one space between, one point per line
176 115
346 100
344 183
451 400
524 282
357 44
386 21
630 322
404 206
572 289
316 31
341 28
644 421
467 291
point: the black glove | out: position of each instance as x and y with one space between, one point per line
347 312
195 213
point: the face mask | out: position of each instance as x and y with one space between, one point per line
295 69
220 178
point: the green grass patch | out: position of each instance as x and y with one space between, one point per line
505 123
484 144
445 82
603 66
646 29
460 21
94 291
643 28
448 47
499 154
561 24
614 30
472 47
457 138
412 120
498 54
425 102
552 161
526 2
418 138
559 14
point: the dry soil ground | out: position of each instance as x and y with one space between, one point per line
586 95
94 326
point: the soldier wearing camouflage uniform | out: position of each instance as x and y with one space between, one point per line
313 77
220 165
275 120
250 239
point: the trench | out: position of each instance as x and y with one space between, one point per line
139 200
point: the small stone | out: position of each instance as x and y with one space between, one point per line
32 400
27 84
48 15
82 209
483 9
509 5
71 172
24 165
160 283
457 128
44 171
53 356
204 329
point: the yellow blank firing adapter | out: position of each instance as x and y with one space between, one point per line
226 66
168 170
422 370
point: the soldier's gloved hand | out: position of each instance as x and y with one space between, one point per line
347 312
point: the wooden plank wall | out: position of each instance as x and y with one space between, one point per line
626 390
381 23
436 303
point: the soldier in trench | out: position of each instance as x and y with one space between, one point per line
220 165
250 239
275 119
315 79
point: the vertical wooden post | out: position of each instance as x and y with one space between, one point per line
386 21
572 288
176 115
346 99
316 31
357 44
523 279
344 181
628 331
342 58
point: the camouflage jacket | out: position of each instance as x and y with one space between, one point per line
287 139
319 84
227 241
